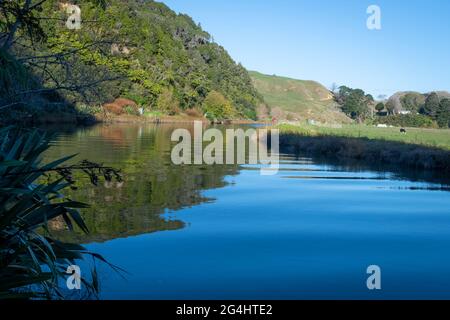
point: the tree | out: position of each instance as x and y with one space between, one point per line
354 102
136 56
379 107
24 15
342 94
412 102
217 107
64 64
390 106
431 106
443 114
369 98
167 102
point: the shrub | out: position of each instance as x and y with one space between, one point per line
167 102
122 102
195 113
33 263
121 106
131 110
217 107
406 120
88 109
113 108
443 114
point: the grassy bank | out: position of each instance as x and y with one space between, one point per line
418 149
438 138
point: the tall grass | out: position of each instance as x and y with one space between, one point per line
33 264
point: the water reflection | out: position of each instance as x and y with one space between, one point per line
152 184
308 232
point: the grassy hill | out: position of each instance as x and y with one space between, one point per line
293 99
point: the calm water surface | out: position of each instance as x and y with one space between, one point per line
207 232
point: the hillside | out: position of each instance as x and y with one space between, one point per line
293 99
411 100
139 50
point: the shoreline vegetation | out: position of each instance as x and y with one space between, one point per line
32 194
418 149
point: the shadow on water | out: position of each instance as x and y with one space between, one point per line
436 179
401 161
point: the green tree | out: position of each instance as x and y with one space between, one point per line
342 94
412 102
356 104
138 48
217 107
431 106
390 106
167 102
443 114
379 107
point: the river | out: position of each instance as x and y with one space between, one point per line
227 232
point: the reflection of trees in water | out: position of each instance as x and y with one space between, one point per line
152 184
394 171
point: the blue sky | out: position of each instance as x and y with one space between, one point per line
328 41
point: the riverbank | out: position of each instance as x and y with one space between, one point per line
108 118
435 138
74 119
366 145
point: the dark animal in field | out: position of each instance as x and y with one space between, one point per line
403 130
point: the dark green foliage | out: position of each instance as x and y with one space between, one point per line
443 114
380 107
390 107
167 102
412 102
431 105
354 102
406 120
144 50
32 262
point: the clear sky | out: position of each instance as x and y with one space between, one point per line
328 41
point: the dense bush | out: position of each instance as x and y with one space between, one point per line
406 120
144 50
412 101
167 102
217 107
354 102
443 114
